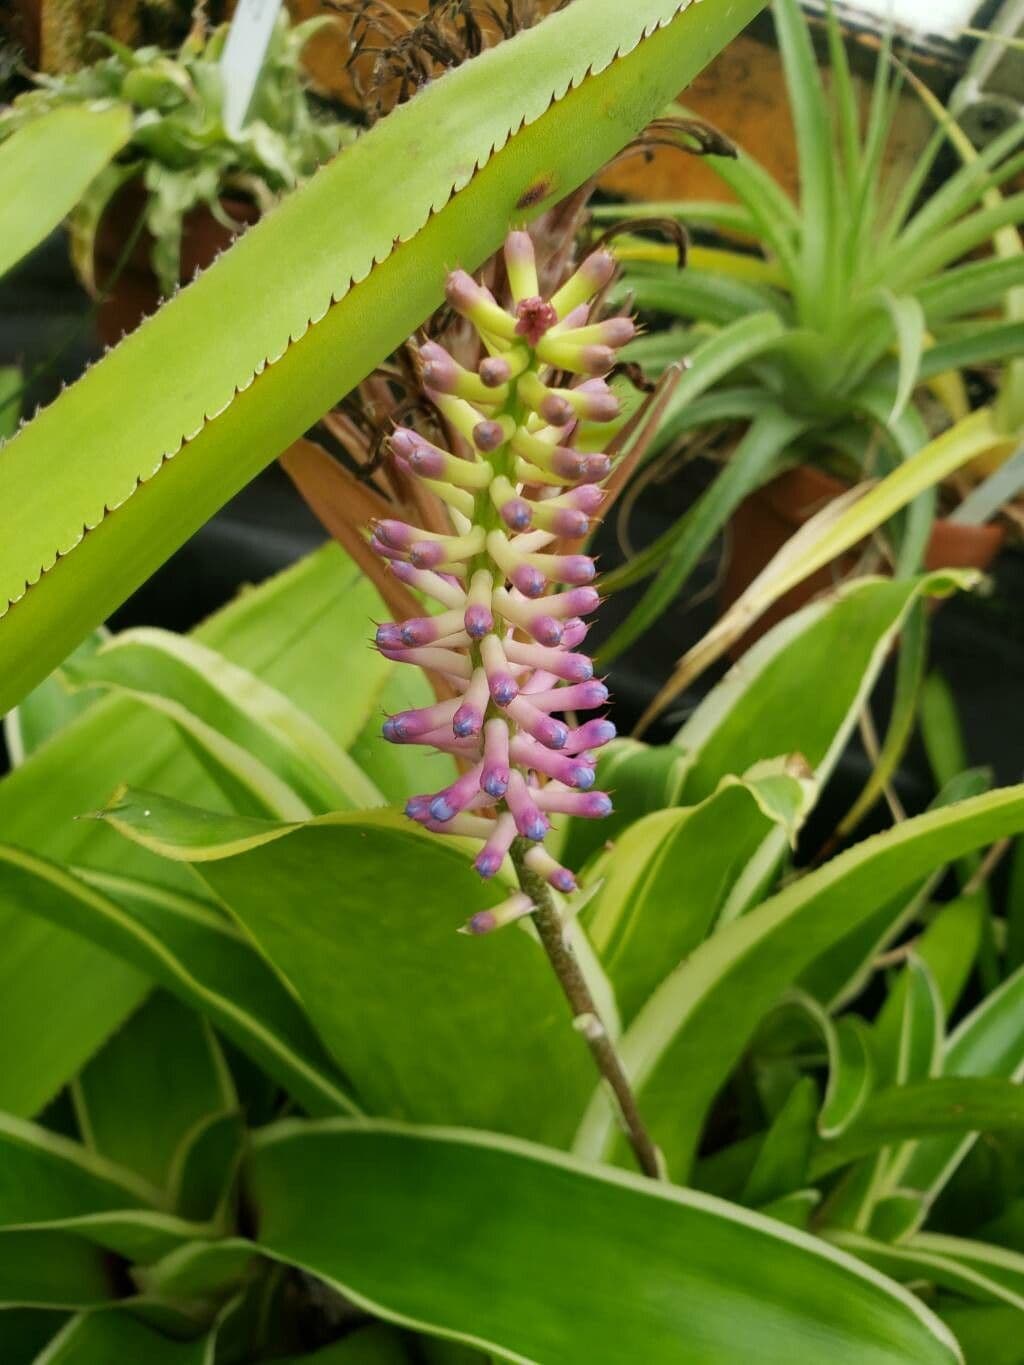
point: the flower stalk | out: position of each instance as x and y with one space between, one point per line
511 604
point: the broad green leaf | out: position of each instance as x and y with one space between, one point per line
940 730
699 1020
161 1073
974 1269
138 1235
988 1334
987 1043
375 1345
359 913
781 1165
851 1076
205 1165
194 953
48 708
843 971
45 1177
824 660
839 526
259 353
256 744
51 1269
948 948
669 876
101 1338
703 1280
895 1216
47 166
326 602
199 1270
921 1109
919 1036
25 1331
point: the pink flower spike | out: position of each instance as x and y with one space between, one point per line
530 821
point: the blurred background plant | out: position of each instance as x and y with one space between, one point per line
182 155
835 337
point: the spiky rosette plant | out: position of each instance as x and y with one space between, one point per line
506 635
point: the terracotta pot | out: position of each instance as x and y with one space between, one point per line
135 293
764 522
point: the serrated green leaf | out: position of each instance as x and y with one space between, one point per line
259 353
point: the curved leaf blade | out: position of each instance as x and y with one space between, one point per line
702 1281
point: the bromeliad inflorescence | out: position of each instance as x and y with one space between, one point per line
506 636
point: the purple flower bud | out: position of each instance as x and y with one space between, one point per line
488 435
596 468
530 822
487 921
389 636
397 534
556 410
575 632
520 264
578 697
418 808
546 630
593 734
478 621
494 371
562 801
587 497
453 799
530 581
516 514
575 569
468 720
487 863
553 734
427 554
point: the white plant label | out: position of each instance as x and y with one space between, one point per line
243 55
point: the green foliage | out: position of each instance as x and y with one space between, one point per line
868 291
166 113
322 951
259 353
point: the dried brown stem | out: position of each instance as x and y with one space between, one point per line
586 1017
